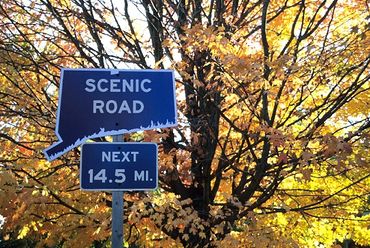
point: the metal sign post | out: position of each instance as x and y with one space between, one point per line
117 211
117 219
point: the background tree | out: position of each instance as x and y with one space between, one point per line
271 147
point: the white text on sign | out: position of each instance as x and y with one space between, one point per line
119 176
118 156
117 86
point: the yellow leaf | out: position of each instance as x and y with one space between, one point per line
23 232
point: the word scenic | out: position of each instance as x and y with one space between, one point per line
103 85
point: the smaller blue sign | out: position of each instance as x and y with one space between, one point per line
119 166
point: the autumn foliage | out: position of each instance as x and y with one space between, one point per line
273 138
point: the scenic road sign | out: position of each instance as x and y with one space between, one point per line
119 166
100 102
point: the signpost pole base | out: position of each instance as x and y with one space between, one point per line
117 219
117 211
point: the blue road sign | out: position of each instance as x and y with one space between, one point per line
100 102
119 166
